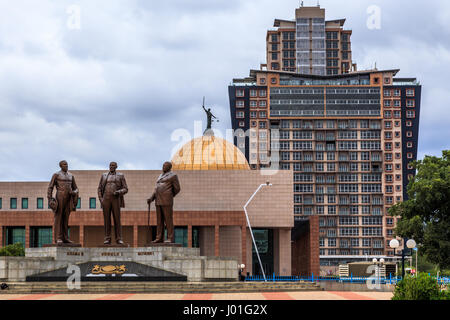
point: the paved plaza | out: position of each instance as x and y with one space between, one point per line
310 295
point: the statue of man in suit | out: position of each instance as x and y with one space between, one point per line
167 187
65 202
111 190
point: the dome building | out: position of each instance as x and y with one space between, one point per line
209 153
216 182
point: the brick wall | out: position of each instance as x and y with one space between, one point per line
305 250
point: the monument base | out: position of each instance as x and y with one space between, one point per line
176 259
164 244
114 245
62 245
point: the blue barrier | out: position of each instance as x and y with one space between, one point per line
352 279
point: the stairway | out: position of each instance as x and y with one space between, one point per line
159 287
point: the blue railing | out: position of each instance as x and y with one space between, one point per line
351 279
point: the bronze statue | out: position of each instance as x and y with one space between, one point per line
209 116
167 187
65 201
111 190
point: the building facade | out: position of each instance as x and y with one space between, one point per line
309 44
216 183
348 137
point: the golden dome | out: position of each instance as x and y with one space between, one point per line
209 153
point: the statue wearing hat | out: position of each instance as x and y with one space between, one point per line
63 203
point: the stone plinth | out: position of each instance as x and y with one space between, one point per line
185 261
66 245
163 244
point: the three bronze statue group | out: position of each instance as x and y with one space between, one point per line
111 191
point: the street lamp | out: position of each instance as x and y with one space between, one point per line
378 265
267 184
241 268
411 244
394 244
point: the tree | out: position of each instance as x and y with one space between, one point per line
425 216
422 287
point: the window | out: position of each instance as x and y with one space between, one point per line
262 114
240 114
409 123
410 103
239 103
331 199
410 114
262 93
239 93
331 209
13 203
24 203
40 203
410 93
79 203
92 203
1 203
241 124
321 242
332 242
371 231
262 104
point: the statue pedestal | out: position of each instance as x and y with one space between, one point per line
51 263
62 245
164 244
114 245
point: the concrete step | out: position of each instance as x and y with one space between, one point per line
159 287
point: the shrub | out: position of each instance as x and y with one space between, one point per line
13 250
422 287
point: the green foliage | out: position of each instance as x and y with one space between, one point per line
425 217
13 250
422 287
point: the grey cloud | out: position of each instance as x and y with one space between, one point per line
144 66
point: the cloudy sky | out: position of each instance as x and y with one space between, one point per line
97 81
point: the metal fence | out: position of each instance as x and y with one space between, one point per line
351 279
